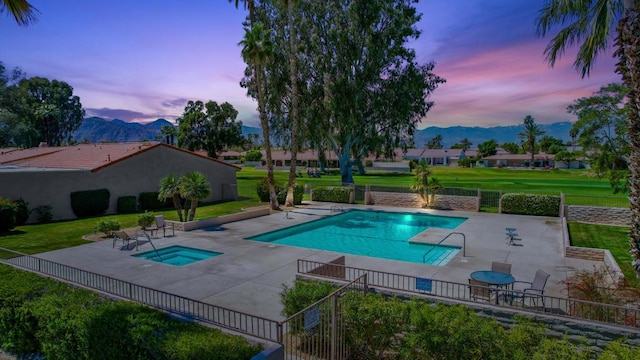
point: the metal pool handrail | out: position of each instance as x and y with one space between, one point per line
464 245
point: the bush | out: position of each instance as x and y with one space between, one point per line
146 219
262 189
8 210
22 211
149 201
90 202
44 213
302 294
368 163
530 204
337 194
107 226
127 205
466 162
253 155
298 193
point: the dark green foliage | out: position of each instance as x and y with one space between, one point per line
8 210
22 211
338 194
146 219
149 201
529 204
253 155
466 162
127 205
303 294
90 202
262 188
41 316
107 226
44 213
298 193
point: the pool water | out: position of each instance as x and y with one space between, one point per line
370 233
177 255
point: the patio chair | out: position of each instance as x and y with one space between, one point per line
161 224
125 238
501 267
534 290
479 290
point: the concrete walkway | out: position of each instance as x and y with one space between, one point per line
249 276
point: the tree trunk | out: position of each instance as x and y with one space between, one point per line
293 114
192 212
273 197
629 67
345 167
178 206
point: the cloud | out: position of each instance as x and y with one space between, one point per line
179 102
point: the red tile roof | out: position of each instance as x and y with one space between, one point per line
84 156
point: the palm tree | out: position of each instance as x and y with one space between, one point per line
256 49
194 187
529 135
589 24
466 144
170 189
22 11
421 181
170 133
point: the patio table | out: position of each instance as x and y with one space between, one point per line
493 278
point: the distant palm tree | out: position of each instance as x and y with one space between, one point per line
589 24
170 189
22 11
256 49
530 134
170 133
194 187
466 144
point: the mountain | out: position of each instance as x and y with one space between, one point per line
477 135
95 129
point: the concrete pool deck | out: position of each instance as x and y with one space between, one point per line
249 276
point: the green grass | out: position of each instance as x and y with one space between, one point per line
613 238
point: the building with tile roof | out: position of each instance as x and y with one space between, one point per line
48 175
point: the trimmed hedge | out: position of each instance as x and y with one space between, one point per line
149 201
90 202
530 204
39 316
337 194
22 211
127 205
8 210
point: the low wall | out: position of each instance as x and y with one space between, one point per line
456 202
599 215
412 200
216 221
616 275
329 269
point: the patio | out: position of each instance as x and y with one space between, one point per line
248 277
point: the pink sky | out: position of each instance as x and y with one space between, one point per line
142 60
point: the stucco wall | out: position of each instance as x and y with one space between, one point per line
411 200
599 215
140 173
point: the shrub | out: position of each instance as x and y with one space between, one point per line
22 211
466 162
107 226
338 194
368 163
8 210
298 193
253 155
303 294
149 201
127 205
146 219
90 202
44 213
262 189
530 204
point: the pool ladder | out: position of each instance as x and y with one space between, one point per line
153 246
464 245
336 208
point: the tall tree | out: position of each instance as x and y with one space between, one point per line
487 148
209 127
22 11
170 189
589 24
194 187
294 113
435 142
169 132
256 50
466 144
529 135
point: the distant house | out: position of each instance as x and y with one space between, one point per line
439 157
519 160
48 175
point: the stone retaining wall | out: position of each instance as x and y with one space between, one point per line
599 215
616 276
412 200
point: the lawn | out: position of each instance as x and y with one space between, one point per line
613 238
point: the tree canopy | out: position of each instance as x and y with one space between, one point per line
529 135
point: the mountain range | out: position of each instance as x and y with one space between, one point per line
95 129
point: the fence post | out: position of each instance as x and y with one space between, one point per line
500 202
334 325
479 199
561 212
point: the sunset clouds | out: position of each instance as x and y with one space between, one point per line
138 61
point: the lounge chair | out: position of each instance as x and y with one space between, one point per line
125 238
532 290
479 290
501 267
161 224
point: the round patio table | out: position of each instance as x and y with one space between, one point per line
494 278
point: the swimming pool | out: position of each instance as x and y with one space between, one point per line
378 234
177 255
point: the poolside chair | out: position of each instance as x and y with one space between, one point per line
501 267
532 290
125 238
479 290
161 224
